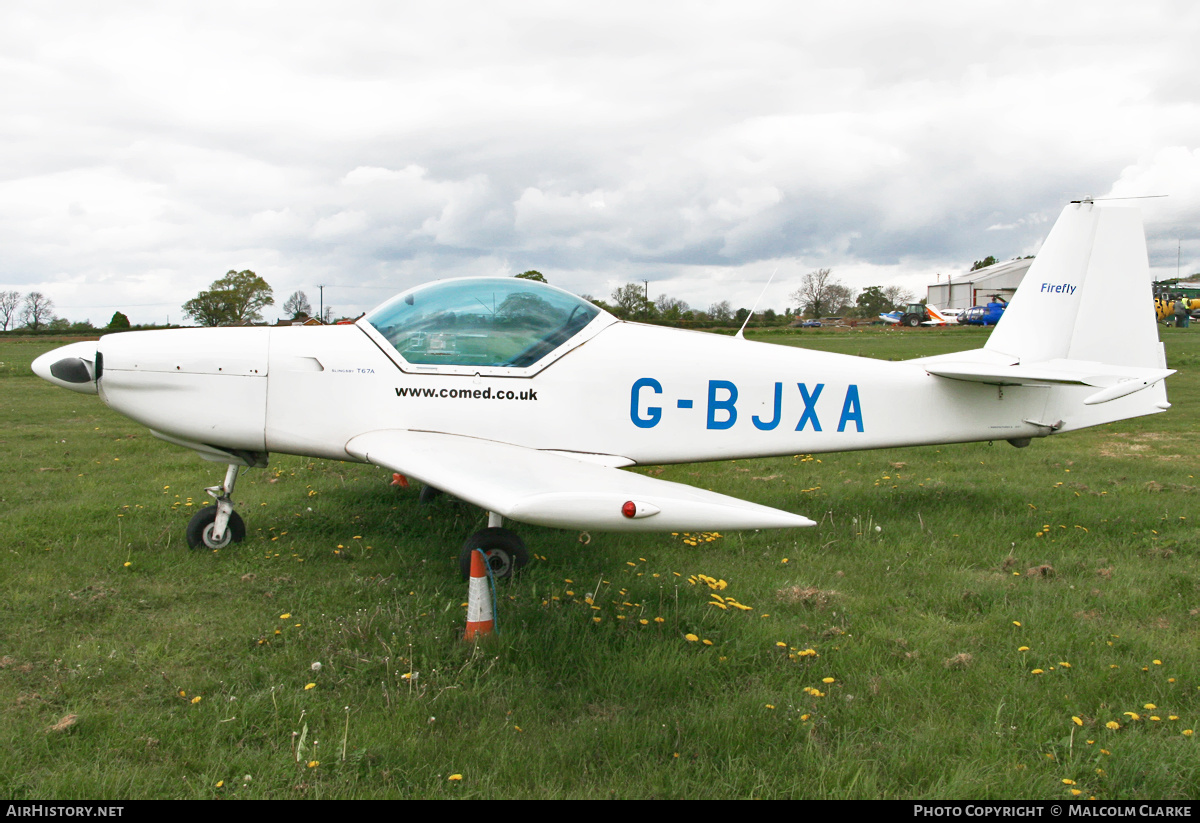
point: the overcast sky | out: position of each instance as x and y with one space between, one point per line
147 148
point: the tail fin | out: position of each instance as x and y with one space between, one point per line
1081 323
1087 296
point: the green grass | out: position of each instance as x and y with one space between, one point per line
909 593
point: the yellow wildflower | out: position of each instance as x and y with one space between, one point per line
196 699
455 777
691 638
312 764
1112 725
1076 720
1068 781
309 686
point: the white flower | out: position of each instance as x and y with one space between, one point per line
316 667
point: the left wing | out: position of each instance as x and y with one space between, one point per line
551 489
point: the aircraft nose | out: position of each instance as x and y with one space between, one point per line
71 367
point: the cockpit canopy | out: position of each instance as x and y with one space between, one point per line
480 325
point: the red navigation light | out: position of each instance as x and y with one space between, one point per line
629 509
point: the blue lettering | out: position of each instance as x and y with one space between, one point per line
726 405
810 407
653 413
683 404
774 421
851 409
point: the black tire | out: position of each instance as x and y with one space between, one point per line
429 494
199 530
506 553
911 321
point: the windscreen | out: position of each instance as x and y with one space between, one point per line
489 322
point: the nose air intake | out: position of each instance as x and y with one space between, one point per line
75 367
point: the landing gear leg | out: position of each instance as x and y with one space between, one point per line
504 550
215 527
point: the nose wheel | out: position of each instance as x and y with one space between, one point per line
202 527
215 527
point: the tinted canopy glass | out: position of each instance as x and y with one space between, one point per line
487 322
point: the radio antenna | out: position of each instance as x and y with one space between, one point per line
741 335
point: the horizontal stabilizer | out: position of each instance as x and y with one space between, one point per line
1117 381
551 489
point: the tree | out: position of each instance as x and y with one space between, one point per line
532 275
817 294
720 312
297 305
327 318
119 322
873 301
630 301
840 298
990 260
37 311
671 309
237 299
9 302
898 296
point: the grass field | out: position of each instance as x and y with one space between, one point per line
969 621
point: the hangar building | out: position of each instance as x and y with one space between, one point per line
976 288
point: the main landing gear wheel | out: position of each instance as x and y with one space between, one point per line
505 552
200 529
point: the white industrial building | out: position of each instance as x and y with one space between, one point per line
979 287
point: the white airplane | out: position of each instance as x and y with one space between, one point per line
527 401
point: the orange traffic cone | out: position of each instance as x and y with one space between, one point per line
480 619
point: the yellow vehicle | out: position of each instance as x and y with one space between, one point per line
1164 306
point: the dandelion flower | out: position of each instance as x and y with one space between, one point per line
1023 649
285 616
1149 706
1017 623
196 699
1076 720
455 777
1187 732
707 642
1112 725
770 705
827 680
1076 792
220 783
1037 671
312 764
1068 781
309 686
691 638
1157 662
